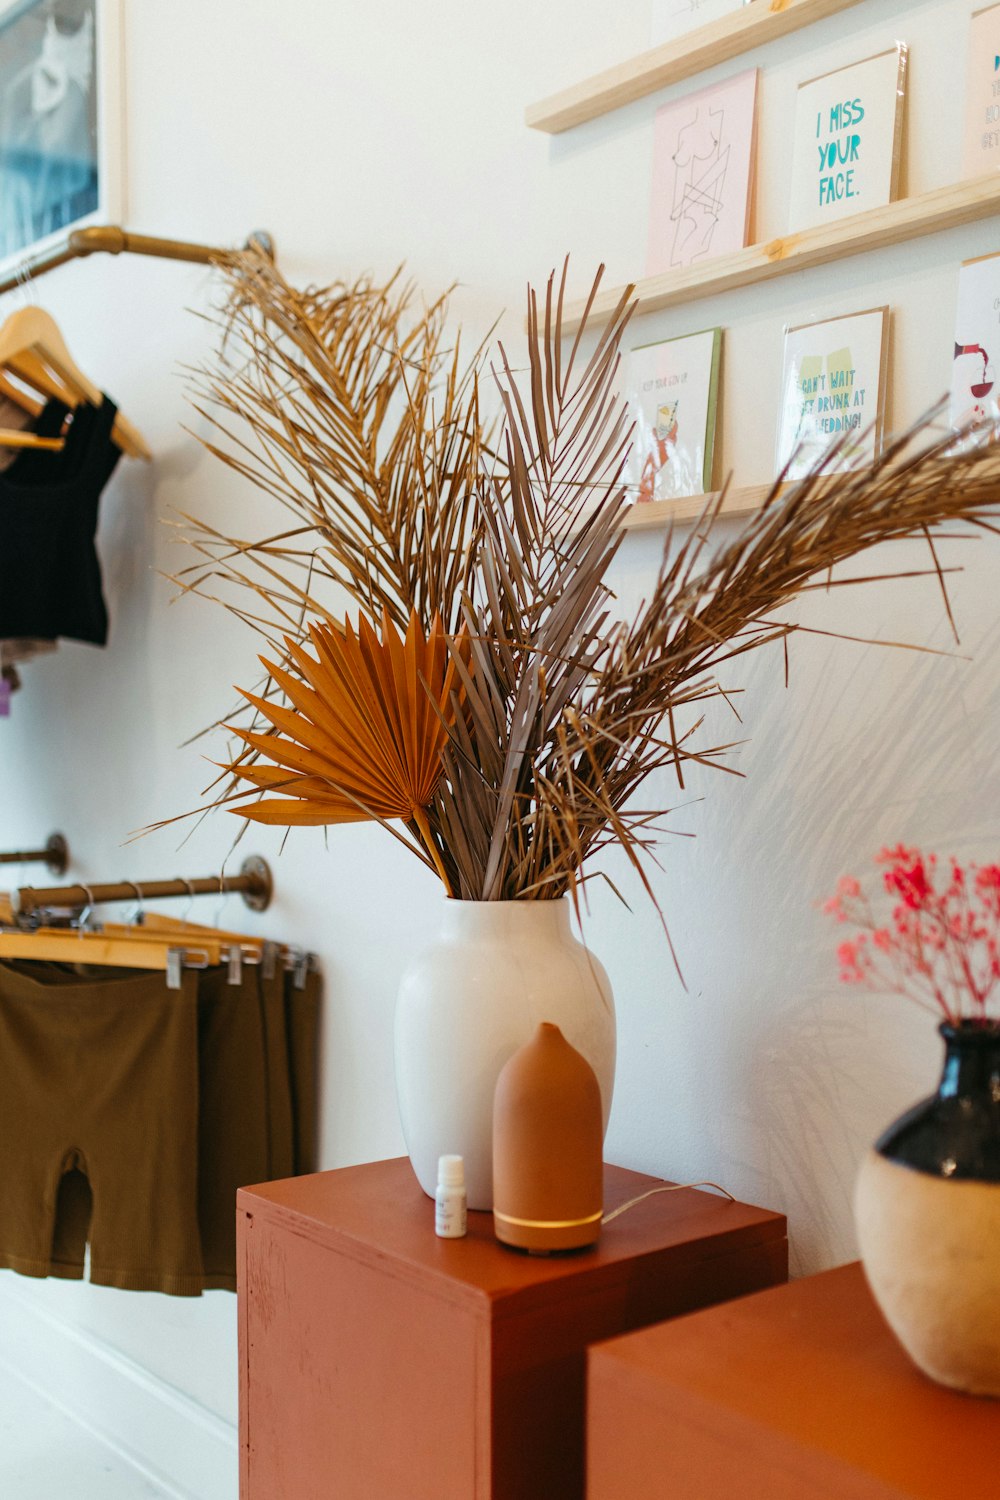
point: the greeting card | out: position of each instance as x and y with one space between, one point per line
672 18
981 136
673 396
974 392
847 144
703 157
833 393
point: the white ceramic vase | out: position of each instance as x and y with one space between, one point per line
466 1003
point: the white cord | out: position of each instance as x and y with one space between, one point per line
673 1187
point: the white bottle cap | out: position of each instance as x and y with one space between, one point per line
451 1171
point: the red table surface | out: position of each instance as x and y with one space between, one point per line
379 1209
800 1392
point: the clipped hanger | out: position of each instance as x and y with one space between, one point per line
199 951
207 939
256 949
178 926
235 947
33 348
158 923
73 946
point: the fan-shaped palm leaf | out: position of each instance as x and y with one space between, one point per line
362 738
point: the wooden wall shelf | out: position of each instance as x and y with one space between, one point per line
908 219
653 515
763 21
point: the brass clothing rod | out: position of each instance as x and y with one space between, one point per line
55 855
254 883
114 240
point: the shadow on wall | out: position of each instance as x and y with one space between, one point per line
827 1067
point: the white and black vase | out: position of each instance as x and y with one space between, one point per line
927 1209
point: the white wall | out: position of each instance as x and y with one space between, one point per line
363 135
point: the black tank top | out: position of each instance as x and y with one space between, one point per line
50 577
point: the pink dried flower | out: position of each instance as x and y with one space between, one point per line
910 882
941 943
900 855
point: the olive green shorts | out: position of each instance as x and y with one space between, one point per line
131 1113
99 1126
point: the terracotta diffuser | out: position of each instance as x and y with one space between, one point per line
547 1147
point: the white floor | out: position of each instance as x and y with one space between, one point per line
45 1455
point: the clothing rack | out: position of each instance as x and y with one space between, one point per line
113 240
254 883
55 855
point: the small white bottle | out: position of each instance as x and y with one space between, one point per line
450 1202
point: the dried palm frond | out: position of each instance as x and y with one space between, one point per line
701 614
363 736
565 711
357 414
538 611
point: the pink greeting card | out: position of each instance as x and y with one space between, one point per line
703 161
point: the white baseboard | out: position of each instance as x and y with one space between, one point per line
191 1453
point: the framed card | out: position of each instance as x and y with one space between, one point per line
703 160
975 394
981 131
673 391
848 140
60 120
833 386
673 18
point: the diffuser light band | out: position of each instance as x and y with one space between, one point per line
548 1223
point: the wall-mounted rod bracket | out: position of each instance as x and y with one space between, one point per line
55 855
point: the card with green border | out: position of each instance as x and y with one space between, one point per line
673 391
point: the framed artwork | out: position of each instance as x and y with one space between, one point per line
673 390
848 140
60 120
975 394
672 18
981 127
833 385
704 147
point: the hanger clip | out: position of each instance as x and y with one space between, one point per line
235 964
269 959
303 964
175 963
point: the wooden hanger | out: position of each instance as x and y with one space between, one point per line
123 947
19 396
10 437
33 349
16 437
253 947
211 939
73 946
158 922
